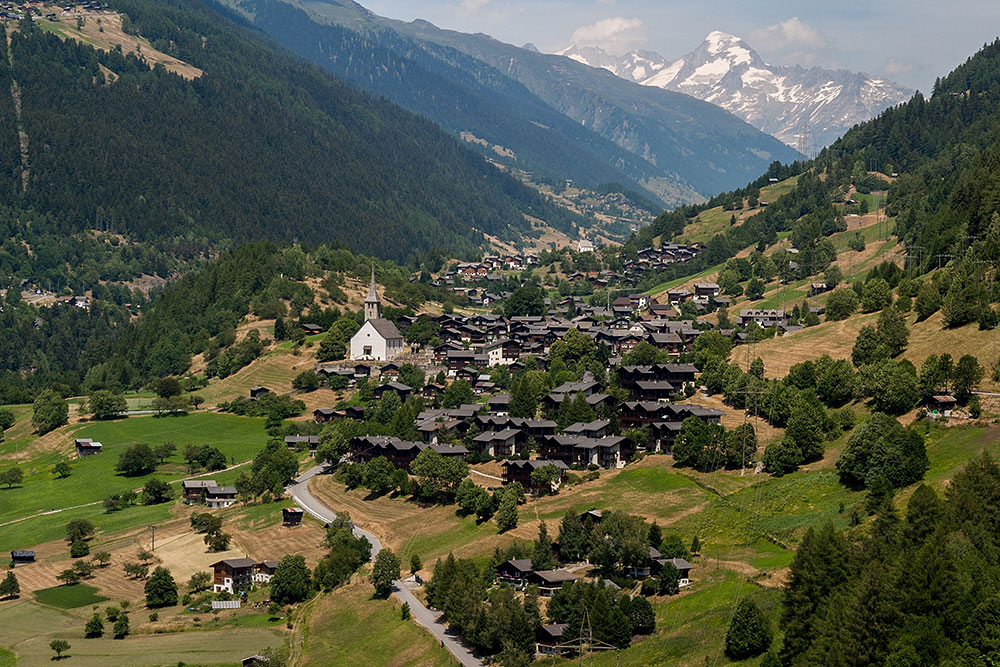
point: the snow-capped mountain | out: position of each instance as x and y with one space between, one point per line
805 108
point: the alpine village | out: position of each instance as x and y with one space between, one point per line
332 339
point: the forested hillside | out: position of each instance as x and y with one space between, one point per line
681 148
105 346
259 146
916 591
938 162
460 93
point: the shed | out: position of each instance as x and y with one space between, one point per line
942 405
22 556
257 392
291 516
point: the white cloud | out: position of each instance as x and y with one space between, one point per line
470 7
794 42
615 35
791 33
896 67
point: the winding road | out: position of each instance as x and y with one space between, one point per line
299 491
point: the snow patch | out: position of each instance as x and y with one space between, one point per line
714 70
717 41
663 78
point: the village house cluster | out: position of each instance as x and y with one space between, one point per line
471 345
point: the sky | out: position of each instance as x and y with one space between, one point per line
909 41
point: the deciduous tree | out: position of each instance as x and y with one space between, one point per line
384 572
292 581
161 589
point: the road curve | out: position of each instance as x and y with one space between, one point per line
299 491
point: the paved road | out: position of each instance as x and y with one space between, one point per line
299 490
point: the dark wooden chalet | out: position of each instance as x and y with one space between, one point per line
548 638
323 415
514 572
504 443
295 441
194 490
520 471
233 575
550 581
398 387
87 447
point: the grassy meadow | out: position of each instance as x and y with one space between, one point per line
94 478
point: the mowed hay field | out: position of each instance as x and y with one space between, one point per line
28 627
256 531
837 339
650 488
350 627
208 639
105 32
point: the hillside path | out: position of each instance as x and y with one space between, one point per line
299 491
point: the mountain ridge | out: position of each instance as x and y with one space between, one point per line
803 107
260 146
685 150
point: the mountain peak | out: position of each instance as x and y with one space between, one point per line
717 41
786 102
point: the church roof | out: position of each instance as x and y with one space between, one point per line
385 328
372 292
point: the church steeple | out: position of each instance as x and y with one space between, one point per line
373 306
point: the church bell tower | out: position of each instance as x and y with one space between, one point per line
373 307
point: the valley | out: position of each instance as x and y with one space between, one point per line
328 338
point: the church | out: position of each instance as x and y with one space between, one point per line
378 339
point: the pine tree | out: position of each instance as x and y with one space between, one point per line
749 632
819 569
280 329
619 628
542 557
10 587
523 402
655 535
860 628
572 538
892 329
695 546
580 410
923 513
642 617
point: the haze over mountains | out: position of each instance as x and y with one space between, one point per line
805 108
538 112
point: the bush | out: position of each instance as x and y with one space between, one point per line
136 460
306 381
79 549
882 449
